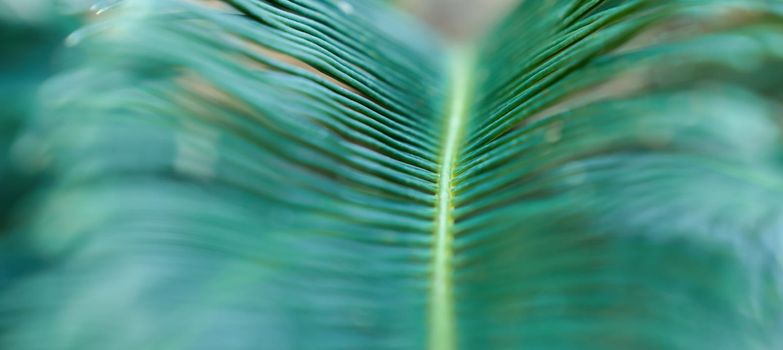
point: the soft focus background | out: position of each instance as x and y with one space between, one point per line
459 19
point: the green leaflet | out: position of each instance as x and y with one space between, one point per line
330 175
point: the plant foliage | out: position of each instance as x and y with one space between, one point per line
329 174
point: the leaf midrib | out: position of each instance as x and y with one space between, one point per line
442 323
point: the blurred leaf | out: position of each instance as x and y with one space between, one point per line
328 174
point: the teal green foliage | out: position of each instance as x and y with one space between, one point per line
28 50
209 195
248 174
30 43
621 183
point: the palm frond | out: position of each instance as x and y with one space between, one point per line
329 174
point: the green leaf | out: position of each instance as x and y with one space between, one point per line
330 174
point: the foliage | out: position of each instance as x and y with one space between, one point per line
330 174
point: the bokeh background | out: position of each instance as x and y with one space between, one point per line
460 19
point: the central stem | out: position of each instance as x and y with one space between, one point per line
442 316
